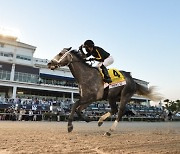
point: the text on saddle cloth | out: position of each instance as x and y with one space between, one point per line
117 78
116 75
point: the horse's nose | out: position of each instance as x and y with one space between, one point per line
49 64
52 67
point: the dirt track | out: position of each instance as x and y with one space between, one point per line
52 138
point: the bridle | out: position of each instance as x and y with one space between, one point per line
64 55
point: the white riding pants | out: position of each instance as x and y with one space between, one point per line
108 61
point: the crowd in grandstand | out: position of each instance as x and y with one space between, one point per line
58 82
57 110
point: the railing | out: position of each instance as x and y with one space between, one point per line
64 117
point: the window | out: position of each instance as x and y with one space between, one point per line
8 55
23 57
26 77
59 82
5 75
5 54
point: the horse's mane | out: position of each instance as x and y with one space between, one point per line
78 54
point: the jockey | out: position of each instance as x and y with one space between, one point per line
99 55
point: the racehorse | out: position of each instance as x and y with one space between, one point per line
91 88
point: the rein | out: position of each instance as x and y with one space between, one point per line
64 55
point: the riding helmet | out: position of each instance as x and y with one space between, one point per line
89 43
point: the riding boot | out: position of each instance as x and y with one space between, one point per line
106 74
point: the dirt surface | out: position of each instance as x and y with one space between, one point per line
52 138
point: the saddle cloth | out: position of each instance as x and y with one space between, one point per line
117 78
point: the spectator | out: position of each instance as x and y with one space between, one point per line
35 117
58 116
170 116
30 115
21 112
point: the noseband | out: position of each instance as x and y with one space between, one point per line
65 54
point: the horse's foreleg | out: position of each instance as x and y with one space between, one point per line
70 119
79 110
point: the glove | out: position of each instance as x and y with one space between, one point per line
101 60
92 59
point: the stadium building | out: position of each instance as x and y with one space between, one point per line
24 76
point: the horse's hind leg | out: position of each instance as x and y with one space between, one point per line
121 109
70 119
113 111
103 117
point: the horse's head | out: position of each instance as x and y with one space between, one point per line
62 59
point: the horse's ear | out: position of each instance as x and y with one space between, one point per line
69 48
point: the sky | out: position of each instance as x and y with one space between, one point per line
143 36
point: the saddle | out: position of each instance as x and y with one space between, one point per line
117 78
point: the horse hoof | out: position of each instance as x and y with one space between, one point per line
100 123
107 134
70 128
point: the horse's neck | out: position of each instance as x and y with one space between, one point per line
89 80
80 71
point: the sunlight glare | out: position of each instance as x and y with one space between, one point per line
12 32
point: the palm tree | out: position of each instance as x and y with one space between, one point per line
178 105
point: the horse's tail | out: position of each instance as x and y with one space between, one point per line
148 92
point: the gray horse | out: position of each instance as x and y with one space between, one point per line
91 88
